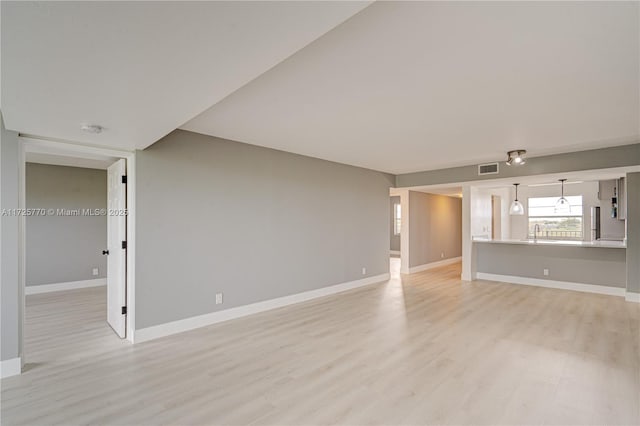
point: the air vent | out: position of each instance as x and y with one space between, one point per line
488 169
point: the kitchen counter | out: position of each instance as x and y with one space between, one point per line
596 263
557 243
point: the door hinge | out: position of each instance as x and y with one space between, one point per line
124 245
124 179
124 310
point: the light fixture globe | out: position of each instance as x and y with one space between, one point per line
516 209
516 157
562 205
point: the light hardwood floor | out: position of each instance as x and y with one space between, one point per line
428 349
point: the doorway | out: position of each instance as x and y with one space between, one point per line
395 237
99 297
395 227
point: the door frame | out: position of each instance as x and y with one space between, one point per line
30 144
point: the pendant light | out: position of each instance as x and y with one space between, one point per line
562 205
516 207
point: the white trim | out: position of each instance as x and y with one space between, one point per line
405 233
10 367
71 285
191 323
131 246
563 285
396 252
62 148
632 297
432 265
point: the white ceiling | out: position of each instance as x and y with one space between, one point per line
409 86
142 69
398 87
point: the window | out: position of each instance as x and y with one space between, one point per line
554 226
397 218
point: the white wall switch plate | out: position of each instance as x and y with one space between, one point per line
545 271
364 271
95 272
442 255
218 298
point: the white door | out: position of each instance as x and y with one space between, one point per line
117 253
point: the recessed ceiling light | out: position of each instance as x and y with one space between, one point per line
91 128
516 157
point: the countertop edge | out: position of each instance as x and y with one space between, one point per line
543 243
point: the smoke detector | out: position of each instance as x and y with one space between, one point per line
91 128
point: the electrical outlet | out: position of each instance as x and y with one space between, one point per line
442 255
218 298
95 272
364 271
545 271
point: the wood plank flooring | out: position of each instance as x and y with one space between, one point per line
424 349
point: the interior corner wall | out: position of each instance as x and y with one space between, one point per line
633 232
435 226
394 239
214 216
9 268
62 248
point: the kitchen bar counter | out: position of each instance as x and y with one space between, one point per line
557 243
595 263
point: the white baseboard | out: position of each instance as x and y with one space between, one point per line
563 285
71 285
395 252
179 326
432 265
632 297
10 367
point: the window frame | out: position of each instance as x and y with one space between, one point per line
397 219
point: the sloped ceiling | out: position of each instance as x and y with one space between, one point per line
409 86
394 86
142 69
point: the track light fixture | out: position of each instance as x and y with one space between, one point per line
516 157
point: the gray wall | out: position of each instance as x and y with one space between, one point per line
394 239
633 232
254 223
65 248
9 271
585 265
435 226
618 156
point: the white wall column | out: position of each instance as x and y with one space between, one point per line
468 254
